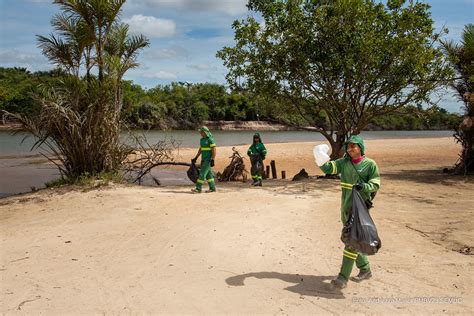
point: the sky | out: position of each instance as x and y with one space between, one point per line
184 35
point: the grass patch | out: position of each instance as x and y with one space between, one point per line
87 180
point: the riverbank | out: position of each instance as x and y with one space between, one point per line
390 154
214 125
10 127
18 162
271 250
247 126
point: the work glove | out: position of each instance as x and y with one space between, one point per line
359 186
320 153
212 162
193 160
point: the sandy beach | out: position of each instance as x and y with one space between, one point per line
127 249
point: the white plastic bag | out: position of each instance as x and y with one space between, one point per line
321 154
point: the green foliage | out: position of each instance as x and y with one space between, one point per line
18 88
177 107
413 118
79 117
346 60
180 107
461 59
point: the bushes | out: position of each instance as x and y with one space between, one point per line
79 117
180 107
412 118
18 88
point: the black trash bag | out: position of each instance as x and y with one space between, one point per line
302 175
360 233
193 173
257 163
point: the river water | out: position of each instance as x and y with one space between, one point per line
21 168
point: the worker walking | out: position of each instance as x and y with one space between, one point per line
362 173
207 151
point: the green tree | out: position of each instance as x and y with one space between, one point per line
461 58
79 119
18 88
348 61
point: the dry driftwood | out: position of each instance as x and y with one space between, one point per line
235 171
147 156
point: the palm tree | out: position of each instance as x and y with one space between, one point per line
80 118
461 58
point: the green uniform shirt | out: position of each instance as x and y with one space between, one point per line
257 148
206 148
366 172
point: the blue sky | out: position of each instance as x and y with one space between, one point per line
185 36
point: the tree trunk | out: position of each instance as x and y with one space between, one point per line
466 134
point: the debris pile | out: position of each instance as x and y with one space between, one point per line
235 171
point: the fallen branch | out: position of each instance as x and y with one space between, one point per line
235 171
147 156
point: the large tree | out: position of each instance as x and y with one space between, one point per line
461 58
338 63
79 119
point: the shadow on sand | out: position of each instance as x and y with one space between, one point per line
307 285
427 176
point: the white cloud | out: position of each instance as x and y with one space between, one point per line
171 52
151 27
231 7
20 58
158 75
202 67
14 55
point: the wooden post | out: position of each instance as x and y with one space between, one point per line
283 174
267 173
274 170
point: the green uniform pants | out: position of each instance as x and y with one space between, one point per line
256 169
205 174
348 258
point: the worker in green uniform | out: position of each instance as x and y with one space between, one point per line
207 151
257 153
362 173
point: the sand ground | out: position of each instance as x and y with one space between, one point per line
271 250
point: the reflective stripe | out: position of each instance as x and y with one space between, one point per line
347 256
350 252
334 167
347 186
212 145
200 181
350 255
210 180
254 177
205 148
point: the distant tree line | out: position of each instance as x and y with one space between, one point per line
185 106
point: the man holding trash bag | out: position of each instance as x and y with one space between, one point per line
361 173
207 150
